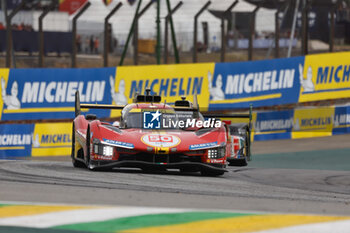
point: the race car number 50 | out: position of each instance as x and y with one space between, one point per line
159 140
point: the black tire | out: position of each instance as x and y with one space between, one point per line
238 162
247 144
212 173
75 162
87 156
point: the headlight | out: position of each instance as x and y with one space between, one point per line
216 153
107 150
103 150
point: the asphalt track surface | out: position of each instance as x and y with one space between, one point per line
273 182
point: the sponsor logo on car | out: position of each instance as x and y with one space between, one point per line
160 140
120 144
203 145
157 120
151 120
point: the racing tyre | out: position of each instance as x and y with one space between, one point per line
75 162
212 173
87 156
239 162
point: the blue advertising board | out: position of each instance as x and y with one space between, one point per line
50 93
273 125
261 83
341 122
16 140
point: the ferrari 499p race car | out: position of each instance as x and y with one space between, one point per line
152 136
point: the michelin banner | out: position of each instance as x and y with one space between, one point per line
326 76
34 94
261 83
50 93
42 139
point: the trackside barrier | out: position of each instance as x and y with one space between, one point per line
43 139
34 94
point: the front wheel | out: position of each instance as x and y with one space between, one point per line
242 162
87 156
212 173
75 162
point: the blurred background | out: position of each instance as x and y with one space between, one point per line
225 30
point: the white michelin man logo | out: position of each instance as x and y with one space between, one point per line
296 125
216 92
119 98
11 101
35 141
307 83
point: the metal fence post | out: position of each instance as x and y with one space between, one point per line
195 31
166 27
252 32
223 34
277 33
176 52
130 33
158 53
41 33
74 32
136 31
305 28
9 45
106 45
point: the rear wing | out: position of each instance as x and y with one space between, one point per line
78 106
237 116
195 108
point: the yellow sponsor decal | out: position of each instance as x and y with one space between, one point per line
4 75
169 81
52 139
325 76
313 122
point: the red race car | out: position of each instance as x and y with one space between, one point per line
155 136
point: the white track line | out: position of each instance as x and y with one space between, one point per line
81 216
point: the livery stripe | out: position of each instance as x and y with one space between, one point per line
240 224
154 220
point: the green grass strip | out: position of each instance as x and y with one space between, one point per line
151 220
3 205
7 229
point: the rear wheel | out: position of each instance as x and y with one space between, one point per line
243 161
75 162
